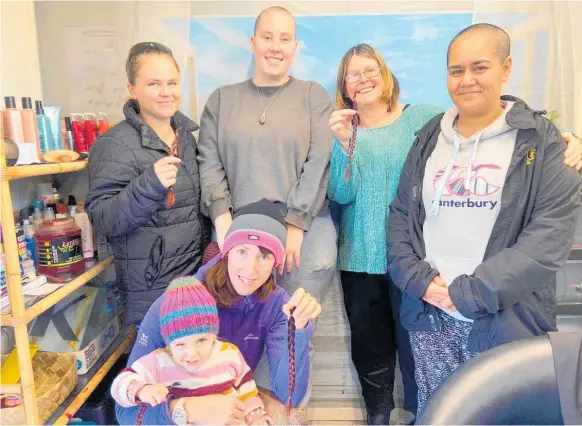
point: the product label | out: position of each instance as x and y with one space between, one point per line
60 251
21 242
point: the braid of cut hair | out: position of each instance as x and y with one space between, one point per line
291 344
352 144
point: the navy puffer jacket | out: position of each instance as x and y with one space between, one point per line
126 202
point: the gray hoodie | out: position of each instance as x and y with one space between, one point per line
463 207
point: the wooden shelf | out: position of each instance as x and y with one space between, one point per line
87 383
19 172
55 297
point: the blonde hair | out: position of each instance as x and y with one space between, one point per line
391 87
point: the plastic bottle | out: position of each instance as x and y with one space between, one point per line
59 247
44 129
49 213
29 232
37 218
72 206
83 222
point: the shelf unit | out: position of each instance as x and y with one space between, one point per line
20 316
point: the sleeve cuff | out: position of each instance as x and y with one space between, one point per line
167 411
464 303
300 220
219 207
423 284
305 332
159 191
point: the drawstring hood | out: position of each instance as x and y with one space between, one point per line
451 136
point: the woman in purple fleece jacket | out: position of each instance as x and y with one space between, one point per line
253 313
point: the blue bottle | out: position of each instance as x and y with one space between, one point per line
45 133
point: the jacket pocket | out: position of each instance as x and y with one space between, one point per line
154 267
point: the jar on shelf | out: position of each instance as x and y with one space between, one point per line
59 247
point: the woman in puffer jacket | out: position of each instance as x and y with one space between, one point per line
144 190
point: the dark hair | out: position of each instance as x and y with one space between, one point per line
145 48
503 40
218 283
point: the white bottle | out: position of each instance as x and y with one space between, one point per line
82 220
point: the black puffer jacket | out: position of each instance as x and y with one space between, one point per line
126 202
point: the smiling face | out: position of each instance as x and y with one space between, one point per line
364 80
156 87
249 267
190 352
476 73
273 45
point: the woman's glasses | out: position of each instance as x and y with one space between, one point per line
368 72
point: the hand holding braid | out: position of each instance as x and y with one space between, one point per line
352 145
306 308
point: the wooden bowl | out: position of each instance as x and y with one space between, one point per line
60 156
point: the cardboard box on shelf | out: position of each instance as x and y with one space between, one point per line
88 356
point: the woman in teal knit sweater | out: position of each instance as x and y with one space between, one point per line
384 136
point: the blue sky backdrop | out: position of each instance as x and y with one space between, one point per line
414 45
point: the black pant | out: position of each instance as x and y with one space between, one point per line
372 305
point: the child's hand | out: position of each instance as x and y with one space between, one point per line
264 420
153 394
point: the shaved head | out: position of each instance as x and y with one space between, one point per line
501 38
272 9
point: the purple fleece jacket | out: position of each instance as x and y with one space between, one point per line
251 325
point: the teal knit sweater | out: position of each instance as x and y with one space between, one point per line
379 156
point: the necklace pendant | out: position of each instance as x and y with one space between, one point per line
263 118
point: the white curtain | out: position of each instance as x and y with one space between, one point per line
547 53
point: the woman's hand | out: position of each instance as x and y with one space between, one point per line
437 294
306 308
293 249
573 153
166 170
340 123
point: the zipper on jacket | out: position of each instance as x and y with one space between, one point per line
247 304
432 322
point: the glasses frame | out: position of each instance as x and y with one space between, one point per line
356 76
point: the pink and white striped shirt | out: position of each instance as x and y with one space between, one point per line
225 372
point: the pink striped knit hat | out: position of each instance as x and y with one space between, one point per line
187 308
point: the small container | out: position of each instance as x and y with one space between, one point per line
21 243
103 123
59 247
29 233
78 128
91 129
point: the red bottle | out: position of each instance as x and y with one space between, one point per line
59 247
